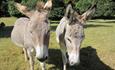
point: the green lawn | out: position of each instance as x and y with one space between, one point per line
97 50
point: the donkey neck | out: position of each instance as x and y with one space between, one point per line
39 16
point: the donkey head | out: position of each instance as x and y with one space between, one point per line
75 33
38 27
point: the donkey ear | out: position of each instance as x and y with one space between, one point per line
23 9
88 13
48 5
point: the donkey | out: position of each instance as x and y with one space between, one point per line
32 33
70 34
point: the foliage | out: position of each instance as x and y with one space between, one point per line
3 8
57 10
12 9
105 8
57 13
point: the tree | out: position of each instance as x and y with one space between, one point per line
3 8
105 8
12 9
56 12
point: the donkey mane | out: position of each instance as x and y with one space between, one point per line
40 5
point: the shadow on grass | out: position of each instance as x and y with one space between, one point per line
111 21
88 57
95 25
55 59
6 31
53 28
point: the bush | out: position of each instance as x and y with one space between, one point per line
3 8
57 13
14 12
105 8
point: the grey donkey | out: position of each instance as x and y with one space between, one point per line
70 34
33 33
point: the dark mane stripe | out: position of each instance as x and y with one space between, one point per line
40 5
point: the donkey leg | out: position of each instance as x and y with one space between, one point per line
64 58
43 65
25 54
31 61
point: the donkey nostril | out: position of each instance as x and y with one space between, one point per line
71 63
42 59
46 57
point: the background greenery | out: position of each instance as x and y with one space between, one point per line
105 8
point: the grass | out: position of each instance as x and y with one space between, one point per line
97 50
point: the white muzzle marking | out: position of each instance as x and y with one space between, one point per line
74 59
41 51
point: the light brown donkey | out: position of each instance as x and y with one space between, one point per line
32 34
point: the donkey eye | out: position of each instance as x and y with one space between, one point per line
67 55
31 32
69 40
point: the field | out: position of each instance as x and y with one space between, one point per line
97 50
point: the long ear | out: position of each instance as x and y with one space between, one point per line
88 13
68 10
23 9
48 5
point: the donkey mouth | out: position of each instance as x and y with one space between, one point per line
74 63
42 59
